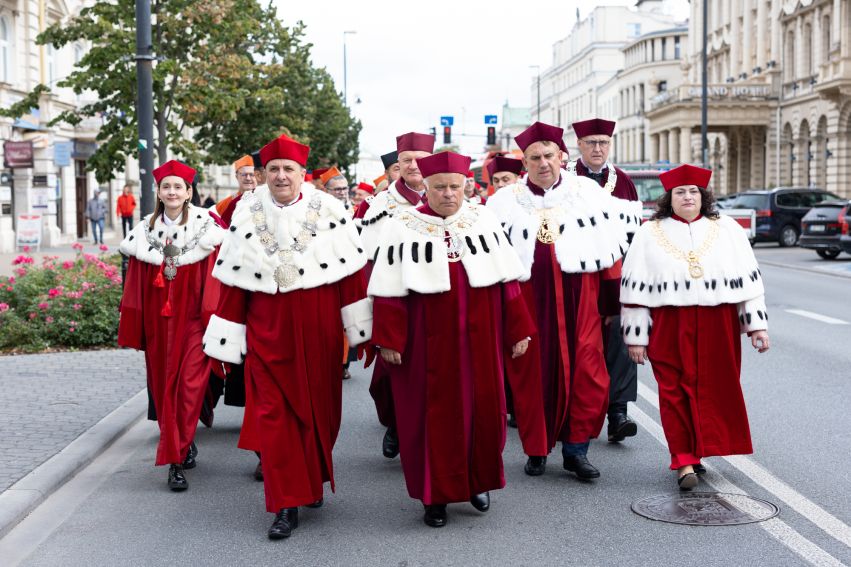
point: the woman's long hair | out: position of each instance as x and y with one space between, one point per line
160 210
665 210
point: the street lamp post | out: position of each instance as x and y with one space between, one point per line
345 69
704 94
145 104
538 84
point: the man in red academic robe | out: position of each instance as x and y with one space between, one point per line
404 194
595 140
291 269
448 311
567 233
504 171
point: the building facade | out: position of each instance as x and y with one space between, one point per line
587 59
779 74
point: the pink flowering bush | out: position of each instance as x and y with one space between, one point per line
70 304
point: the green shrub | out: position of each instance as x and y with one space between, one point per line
70 304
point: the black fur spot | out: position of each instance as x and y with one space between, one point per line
375 256
248 235
223 341
132 237
688 284
401 251
342 221
390 255
599 264
301 271
525 234
641 287
219 262
236 268
470 245
233 228
332 225
714 283
748 317
342 260
581 223
161 233
484 244
415 252
360 250
582 264
323 265
496 237
257 275
593 221
363 333
428 251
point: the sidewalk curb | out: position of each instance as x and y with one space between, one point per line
803 269
25 495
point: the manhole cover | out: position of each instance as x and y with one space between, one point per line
705 509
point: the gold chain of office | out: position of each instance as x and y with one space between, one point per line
692 257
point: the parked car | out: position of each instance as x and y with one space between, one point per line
825 229
779 211
646 180
726 201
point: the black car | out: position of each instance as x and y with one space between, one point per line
779 211
825 229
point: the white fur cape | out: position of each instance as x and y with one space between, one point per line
136 245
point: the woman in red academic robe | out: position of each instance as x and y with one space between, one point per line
171 256
690 286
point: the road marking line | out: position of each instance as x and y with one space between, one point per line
823 519
817 317
775 527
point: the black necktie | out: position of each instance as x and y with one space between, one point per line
598 177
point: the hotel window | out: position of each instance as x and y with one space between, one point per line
5 48
677 53
664 54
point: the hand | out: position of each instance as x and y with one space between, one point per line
638 354
391 356
520 348
608 320
760 341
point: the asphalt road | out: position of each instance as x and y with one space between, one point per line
118 511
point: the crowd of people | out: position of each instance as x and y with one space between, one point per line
529 307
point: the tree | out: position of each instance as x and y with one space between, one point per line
229 77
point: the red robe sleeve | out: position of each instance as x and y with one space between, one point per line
131 324
390 323
362 209
608 301
524 372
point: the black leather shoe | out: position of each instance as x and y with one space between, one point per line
189 462
435 515
579 465
535 466
258 472
390 444
346 374
512 421
621 427
699 469
481 502
176 479
285 522
317 504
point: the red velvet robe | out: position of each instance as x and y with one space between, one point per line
568 309
177 368
293 383
448 391
696 354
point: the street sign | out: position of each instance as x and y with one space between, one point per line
490 118
447 120
62 153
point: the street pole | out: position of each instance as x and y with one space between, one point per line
704 94
538 85
145 104
345 70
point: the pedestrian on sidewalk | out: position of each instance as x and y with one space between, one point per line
126 206
690 286
285 298
96 213
171 253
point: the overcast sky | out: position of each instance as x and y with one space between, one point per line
410 63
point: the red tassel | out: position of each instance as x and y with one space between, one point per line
166 310
159 281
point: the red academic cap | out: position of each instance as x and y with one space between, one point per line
685 175
540 132
174 167
317 173
500 163
284 147
366 187
444 162
308 177
414 142
594 127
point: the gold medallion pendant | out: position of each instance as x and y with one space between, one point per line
695 270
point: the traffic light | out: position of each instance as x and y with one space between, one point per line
491 135
447 134
434 132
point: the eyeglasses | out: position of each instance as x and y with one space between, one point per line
602 144
245 175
